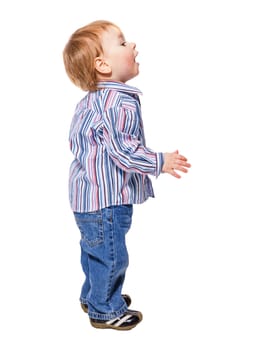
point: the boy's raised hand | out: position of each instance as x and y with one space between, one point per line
175 161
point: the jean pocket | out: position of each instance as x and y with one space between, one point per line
91 228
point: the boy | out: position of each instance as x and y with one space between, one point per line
111 165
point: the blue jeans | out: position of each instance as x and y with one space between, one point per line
104 259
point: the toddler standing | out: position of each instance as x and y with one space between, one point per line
111 166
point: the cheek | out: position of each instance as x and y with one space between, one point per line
129 61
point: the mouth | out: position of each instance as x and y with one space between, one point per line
135 57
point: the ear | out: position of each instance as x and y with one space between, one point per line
102 66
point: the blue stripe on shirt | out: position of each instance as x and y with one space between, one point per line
111 161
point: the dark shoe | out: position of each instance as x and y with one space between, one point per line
125 296
125 322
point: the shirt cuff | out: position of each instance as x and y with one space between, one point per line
159 163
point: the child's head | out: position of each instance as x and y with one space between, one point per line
98 52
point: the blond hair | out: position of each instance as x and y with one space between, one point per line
80 52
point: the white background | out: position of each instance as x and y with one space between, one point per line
194 250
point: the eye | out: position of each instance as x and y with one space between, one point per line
124 43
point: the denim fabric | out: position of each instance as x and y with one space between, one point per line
104 259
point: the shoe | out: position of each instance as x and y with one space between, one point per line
125 322
126 297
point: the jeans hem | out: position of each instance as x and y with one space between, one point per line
108 316
83 301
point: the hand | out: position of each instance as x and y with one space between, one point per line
175 161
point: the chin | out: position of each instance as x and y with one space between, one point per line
136 70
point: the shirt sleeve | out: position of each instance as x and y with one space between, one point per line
124 141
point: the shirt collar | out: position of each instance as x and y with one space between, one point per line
115 85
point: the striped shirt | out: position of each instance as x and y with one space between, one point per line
111 161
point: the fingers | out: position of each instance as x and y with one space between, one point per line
184 170
179 157
180 164
175 174
175 162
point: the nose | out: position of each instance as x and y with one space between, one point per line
133 45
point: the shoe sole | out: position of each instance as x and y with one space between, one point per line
108 326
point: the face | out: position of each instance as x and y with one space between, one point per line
119 55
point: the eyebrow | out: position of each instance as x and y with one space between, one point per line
121 36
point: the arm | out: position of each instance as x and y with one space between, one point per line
125 144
